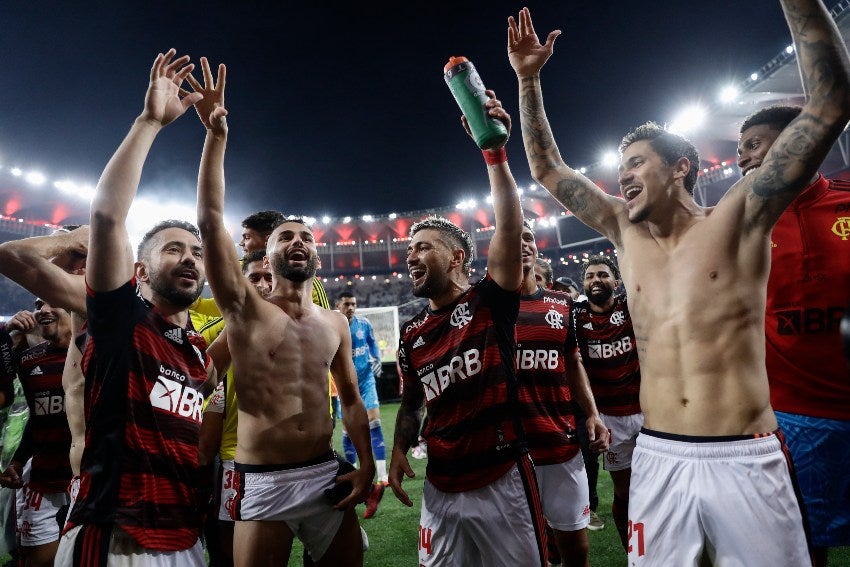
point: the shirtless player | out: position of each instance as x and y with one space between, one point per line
696 280
282 348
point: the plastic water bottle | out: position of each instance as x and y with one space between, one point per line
468 90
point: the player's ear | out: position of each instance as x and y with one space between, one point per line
141 271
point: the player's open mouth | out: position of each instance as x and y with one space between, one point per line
749 169
297 256
417 274
631 192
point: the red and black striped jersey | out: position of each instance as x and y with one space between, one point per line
544 338
462 357
143 412
609 354
40 372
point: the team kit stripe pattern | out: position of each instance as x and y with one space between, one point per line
48 437
140 464
456 355
544 338
609 354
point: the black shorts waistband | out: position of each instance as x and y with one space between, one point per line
704 438
323 458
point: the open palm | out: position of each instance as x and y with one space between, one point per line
527 55
162 101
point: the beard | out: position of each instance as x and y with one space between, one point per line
284 269
432 286
601 296
179 297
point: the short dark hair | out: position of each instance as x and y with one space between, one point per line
600 259
457 236
669 146
144 249
527 224
251 257
777 117
345 293
263 222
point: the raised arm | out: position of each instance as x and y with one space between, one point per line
573 190
800 149
504 259
110 260
229 286
27 262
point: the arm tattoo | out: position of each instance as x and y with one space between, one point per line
407 426
540 145
572 194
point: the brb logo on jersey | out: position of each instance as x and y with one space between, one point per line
610 350
461 316
617 318
537 359
460 367
172 396
49 405
555 319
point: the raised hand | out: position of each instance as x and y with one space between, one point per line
210 108
525 52
163 104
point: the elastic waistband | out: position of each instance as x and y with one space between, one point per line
721 446
323 458
705 438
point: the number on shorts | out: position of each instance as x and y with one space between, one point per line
636 529
33 499
425 539
228 479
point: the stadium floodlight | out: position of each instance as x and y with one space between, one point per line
367 218
754 77
488 199
610 159
790 49
66 186
519 191
35 178
688 120
393 216
17 171
85 192
533 187
346 220
582 170
728 94
326 219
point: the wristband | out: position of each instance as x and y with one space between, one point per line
493 157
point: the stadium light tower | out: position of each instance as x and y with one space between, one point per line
610 159
728 94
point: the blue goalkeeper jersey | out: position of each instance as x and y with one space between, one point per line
363 346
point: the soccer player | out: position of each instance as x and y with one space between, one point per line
550 376
40 468
807 292
480 503
367 362
695 279
144 365
282 346
606 340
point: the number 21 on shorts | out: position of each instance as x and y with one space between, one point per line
636 530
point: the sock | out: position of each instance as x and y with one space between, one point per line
348 449
378 449
620 512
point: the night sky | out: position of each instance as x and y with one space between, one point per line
344 111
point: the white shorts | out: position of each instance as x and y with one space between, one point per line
228 491
36 512
490 526
730 500
624 431
292 495
564 494
125 552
